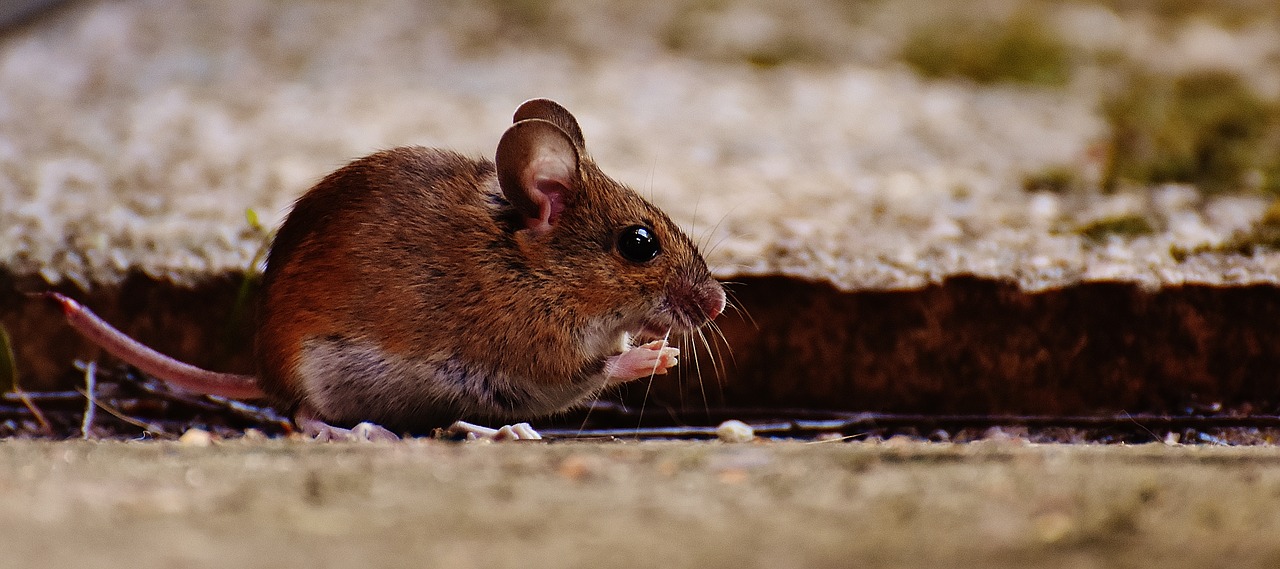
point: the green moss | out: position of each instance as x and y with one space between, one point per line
1261 236
8 363
528 16
1127 226
1056 179
233 336
1021 50
689 33
1271 175
1207 129
498 23
1264 234
786 49
684 32
1228 13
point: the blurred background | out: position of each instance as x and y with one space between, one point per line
850 139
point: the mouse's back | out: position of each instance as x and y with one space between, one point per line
361 250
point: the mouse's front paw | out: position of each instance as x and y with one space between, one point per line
516 432
649 359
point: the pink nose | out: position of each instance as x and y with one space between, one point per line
713 301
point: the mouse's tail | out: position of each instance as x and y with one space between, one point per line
151 362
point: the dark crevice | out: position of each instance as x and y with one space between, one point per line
967 345
972 345
203 325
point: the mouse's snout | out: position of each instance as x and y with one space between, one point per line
693 304
711 299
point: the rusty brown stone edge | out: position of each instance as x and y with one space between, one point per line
972 345
966 345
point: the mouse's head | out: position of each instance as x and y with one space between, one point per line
625 263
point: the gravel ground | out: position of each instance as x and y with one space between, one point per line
284 504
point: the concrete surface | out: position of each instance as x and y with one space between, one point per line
280 504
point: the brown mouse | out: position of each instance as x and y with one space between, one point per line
416 286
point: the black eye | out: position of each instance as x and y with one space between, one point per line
638 244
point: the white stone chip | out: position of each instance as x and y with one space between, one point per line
735 431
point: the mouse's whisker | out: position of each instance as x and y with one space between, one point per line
702 384
680 374
693 229
713 352
732 303
657 364
644 403
723 341
586 417
715 228
717 360
709 249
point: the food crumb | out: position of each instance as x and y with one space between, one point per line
252 434
196 438
735 431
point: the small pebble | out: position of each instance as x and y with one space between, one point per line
196 438
252 434
735 431
899 441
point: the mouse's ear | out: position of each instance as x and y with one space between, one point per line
552 112
538 171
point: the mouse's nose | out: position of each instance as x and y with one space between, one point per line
712 300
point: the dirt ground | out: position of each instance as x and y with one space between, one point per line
701 504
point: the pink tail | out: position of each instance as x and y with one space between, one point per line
151 362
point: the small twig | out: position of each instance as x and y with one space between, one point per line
47 396
634 432
256 413
35 411
213 403
1154 436
842 439
90 386
853 424
150 428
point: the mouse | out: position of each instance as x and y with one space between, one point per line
417 288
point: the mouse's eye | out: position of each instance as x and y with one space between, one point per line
638 244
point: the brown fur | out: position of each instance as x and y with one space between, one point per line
418 252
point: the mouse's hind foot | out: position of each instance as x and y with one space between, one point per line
366 432
516 432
